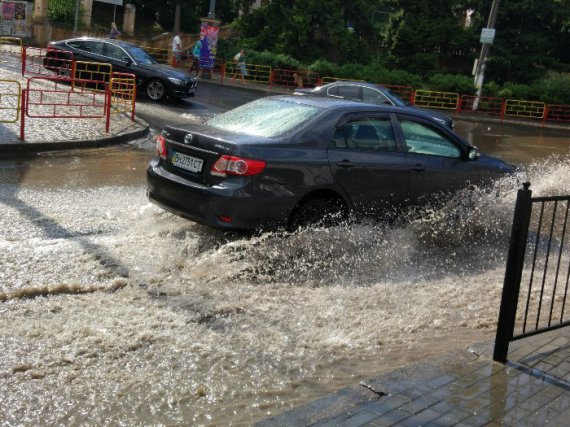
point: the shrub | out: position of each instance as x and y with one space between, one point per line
554 89
63 12
452 83
324 68
491 89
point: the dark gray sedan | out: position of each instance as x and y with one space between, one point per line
290 161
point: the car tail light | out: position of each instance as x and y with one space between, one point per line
161 146
231 165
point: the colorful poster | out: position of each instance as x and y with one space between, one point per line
19 11
209 37
8 10
16 18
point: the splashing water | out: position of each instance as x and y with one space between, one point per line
157 320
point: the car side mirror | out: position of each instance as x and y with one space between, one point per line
473 153
127 60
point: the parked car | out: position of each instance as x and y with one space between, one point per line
156 80
373 94
290 161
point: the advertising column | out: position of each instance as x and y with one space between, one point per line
209 36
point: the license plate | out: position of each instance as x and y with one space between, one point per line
192 164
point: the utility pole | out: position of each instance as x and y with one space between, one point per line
176 28
212 12
482 63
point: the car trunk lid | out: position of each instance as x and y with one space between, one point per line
191 153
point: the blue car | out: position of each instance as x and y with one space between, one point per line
371 93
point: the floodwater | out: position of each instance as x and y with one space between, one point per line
116 312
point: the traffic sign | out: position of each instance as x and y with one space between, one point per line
487 35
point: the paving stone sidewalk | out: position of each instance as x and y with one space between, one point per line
56 133
464 388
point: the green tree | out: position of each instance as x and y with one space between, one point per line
427 37
309 29
532 38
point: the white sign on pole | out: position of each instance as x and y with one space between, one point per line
115 2
487 35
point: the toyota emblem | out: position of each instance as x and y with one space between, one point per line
188 139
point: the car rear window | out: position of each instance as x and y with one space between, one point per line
265 117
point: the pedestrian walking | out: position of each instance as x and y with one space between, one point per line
176 49
115 33
196 54
239 61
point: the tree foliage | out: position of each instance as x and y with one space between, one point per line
426 38
62 11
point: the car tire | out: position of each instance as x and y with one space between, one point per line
320 212
156 90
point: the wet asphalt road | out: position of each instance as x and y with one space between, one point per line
210 99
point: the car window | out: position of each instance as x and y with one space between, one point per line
422 139
332 91
366 134
139 55
349 91
265 117
374 96
114 52
86 45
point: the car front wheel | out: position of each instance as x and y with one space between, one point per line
156 90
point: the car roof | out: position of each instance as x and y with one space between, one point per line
332 102
121 43
355 82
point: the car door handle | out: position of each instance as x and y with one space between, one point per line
418 168
345 164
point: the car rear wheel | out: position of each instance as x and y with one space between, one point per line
156 90
320 212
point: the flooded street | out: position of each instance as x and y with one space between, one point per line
116 312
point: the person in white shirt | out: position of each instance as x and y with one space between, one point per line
176 49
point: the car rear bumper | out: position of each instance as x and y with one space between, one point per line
207 204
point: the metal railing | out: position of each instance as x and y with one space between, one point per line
539 256
10 100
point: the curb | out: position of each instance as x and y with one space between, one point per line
37 147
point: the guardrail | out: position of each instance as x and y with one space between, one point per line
539 254
10 50
524 109
56 97
96 75
293 78
10 101
36 61
122 95
557 113
254 72
436 99
486 105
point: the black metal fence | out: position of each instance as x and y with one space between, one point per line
535 292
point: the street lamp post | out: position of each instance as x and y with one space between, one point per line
482 63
